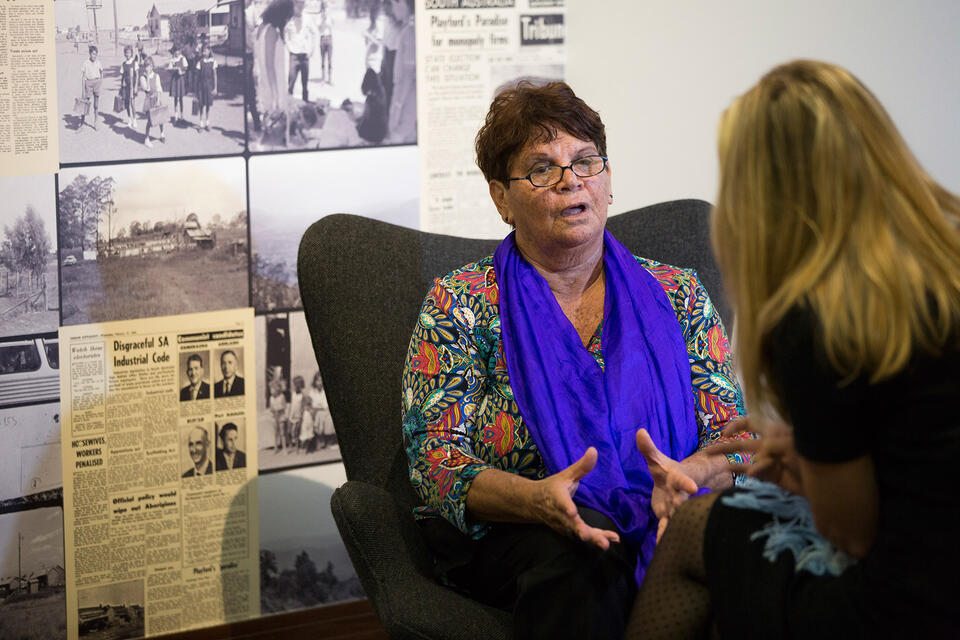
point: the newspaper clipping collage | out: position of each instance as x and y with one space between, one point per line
168 452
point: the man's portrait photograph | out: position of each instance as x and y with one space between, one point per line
198 448
194 383
230 366
230 445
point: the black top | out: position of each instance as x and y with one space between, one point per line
910 425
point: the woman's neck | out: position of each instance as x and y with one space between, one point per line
569 273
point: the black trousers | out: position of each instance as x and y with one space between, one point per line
300 63
556 586
251 92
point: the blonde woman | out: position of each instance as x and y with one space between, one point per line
843 263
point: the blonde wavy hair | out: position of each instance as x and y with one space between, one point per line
822 205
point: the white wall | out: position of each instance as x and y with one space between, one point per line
660 72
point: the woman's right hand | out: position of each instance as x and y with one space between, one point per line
552 503
500 496
774 457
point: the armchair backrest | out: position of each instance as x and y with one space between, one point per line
362 283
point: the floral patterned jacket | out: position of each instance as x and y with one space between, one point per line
459 413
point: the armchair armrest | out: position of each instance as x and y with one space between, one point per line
394 567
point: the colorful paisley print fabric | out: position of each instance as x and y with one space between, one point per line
459 414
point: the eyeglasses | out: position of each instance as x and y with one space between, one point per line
547 175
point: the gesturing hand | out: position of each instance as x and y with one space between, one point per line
774 457
553 504
671 484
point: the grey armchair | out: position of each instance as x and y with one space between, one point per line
362 283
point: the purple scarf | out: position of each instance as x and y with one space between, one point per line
569 403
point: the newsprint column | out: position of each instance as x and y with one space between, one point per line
159 486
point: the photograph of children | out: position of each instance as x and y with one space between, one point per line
230 444
229 381
294 427
329 74
197 451
303 562
332 182
32 580
29 290
30 457
123 88
152 239
116 610
194 376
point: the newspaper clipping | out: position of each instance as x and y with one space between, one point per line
160 506
468 50
28 89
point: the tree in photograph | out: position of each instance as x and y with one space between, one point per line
270 285
135 229
109 218
82 205
268 568
184 27
239 221
26 246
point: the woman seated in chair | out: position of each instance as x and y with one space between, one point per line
844 270
530 371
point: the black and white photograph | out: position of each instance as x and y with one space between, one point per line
29 290
112 611
149 79
32 579
30 470
303 562
294 427
194 375
287 195
231 444
198 449
152 239
29 370
330 74
229 373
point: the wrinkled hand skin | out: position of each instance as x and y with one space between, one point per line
774 456
672 485
552 503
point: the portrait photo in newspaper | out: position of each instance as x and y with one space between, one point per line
194 375
229 374
294 427
165 81
197 458
152 239
231 444
29 286
112 610
330 74
32 577
329 183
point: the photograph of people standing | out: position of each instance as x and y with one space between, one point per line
331 101
104 121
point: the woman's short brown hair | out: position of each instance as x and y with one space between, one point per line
533 113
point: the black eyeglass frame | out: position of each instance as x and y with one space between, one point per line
563 169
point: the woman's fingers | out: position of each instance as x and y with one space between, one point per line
735 446
661 527
740 425
649 450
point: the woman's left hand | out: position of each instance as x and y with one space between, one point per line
671 483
